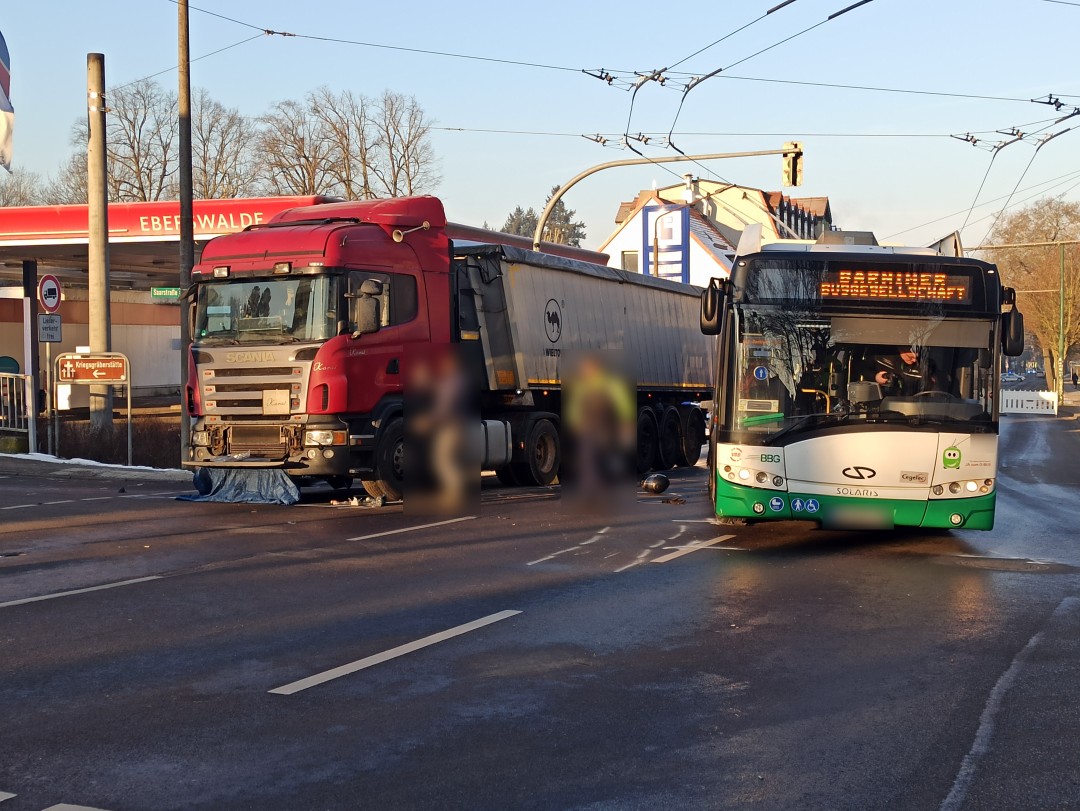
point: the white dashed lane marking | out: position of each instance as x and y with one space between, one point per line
57 594
599 534
686 550
393 653
411 529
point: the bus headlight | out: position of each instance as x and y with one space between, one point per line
744 474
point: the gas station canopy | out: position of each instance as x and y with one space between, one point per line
144 238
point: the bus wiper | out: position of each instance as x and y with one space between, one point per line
800 422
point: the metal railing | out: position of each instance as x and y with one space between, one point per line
16 412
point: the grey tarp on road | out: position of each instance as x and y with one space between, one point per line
243 485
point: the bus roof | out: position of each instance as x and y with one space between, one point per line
753 240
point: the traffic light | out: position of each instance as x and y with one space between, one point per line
793 155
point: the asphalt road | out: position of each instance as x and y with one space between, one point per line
163 654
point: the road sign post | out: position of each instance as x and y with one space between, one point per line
49 293
92 369
169 295
50 331
49 328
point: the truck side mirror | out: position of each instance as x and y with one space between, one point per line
711 301
367 307
1012 333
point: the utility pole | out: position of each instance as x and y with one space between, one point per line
97 202
187 226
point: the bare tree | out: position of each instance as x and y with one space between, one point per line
354 140
1036 272
343 144
222 147
21 189
295 150
406 163
68 186
142 135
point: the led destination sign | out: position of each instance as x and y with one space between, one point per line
895 285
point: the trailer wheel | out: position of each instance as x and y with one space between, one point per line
693 436
542 455
647 436
669 450
389 463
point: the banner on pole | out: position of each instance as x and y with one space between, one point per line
7 112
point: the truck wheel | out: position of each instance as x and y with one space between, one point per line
373 489
669 450
693 436
542 455
647 435
389 463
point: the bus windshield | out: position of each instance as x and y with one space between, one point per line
267 310
799 370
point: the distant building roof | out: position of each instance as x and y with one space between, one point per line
710 238
818 206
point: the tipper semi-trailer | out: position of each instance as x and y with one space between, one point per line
304 328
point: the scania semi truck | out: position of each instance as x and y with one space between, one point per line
304 328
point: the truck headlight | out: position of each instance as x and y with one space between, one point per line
200 438
323 438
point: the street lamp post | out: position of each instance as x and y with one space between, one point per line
640 162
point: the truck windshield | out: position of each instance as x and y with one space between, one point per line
797 372
268 310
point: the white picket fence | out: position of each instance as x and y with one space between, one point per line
1028 402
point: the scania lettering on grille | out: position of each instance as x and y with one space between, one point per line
859 472
248 357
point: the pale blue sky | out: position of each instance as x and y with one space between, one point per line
1010 49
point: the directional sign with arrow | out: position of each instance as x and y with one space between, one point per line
102 367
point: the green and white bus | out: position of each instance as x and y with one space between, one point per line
857 384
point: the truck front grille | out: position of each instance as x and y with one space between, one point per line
259 440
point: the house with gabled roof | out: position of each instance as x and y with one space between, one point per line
688 232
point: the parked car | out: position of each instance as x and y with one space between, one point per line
1011 377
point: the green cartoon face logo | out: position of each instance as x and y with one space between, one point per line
951 457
